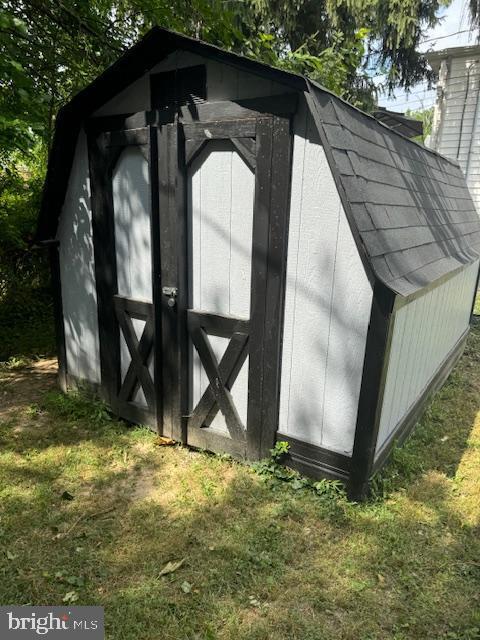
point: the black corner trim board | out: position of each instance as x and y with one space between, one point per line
377 352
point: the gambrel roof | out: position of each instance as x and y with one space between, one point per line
409 208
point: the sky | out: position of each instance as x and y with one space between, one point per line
455 18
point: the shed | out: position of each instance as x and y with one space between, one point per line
240 257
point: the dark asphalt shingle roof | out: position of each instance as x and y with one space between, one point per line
411 206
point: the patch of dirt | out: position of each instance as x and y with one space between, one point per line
143 485
20 388
139 484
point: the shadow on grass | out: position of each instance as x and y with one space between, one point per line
260 559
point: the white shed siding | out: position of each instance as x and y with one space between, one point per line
424 333
456 131
327 305
223 83
220 219
79 296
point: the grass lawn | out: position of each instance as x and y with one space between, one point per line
261 558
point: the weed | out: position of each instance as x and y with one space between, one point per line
77 405
14 362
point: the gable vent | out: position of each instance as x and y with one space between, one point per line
172 89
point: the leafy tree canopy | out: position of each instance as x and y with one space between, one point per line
49 49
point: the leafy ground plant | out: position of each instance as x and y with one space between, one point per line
178 544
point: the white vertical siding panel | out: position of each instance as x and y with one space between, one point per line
327 306
310 268
424 333
395 354
426 337
350 314
241 224
402 367
79 296
298 161
413 382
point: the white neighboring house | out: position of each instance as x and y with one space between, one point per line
456 122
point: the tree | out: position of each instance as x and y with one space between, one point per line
389 30
426 117
49 49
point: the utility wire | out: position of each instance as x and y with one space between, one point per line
449 35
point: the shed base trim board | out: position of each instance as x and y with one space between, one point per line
406 425
314 461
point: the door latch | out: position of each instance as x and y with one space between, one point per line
170 293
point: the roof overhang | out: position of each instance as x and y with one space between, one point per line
435 57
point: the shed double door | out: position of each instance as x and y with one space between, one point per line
198 328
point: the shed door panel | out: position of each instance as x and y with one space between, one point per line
120 174
132 222
220 213
234 176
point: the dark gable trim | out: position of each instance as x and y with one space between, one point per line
406 425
